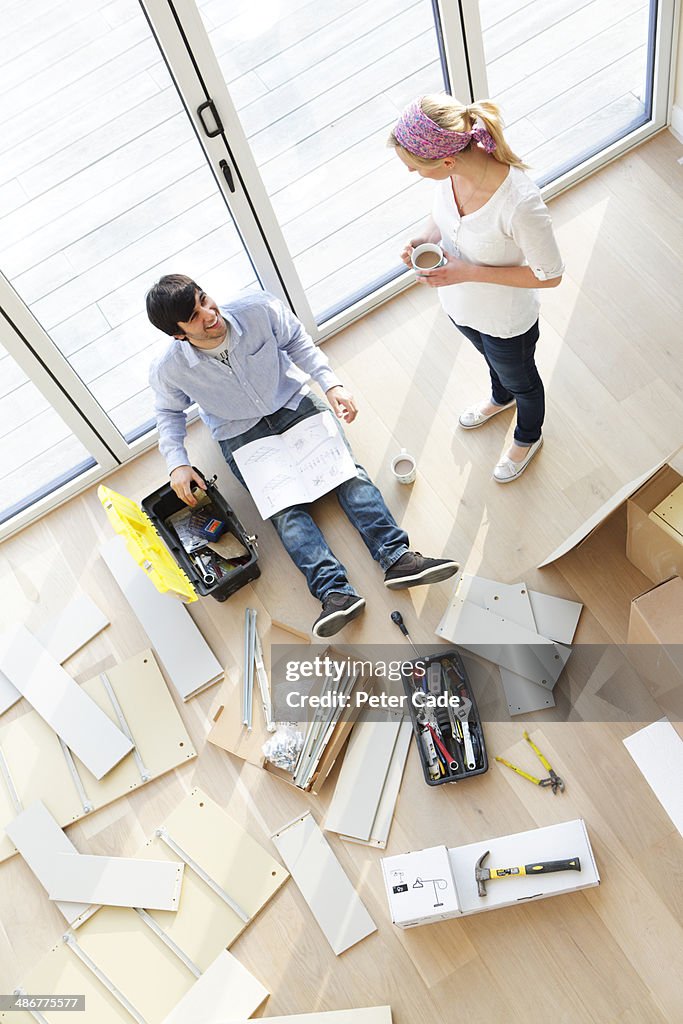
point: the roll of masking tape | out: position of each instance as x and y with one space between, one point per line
404 467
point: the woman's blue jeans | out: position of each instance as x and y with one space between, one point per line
359 498
514 375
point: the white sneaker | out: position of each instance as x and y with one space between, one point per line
474 417
507 470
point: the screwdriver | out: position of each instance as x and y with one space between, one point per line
398 619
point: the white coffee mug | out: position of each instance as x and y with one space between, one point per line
404 467
427 256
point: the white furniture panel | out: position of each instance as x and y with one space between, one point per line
334 902
64 705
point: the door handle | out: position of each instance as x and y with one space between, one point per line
210 132
227 174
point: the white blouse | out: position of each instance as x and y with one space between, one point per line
512 229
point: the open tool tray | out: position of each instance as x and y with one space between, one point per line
163 503
446 672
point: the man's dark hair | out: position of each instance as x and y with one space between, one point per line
171 300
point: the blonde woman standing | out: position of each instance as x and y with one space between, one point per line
499 247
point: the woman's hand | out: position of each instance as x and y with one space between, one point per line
408 251
454 271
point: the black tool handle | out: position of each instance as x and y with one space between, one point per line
544 868
398 619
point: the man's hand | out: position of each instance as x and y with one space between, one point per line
454 271
182 479
342 403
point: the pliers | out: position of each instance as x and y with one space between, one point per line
553 780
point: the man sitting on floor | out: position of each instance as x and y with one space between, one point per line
246 365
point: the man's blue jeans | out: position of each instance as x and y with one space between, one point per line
360 499
514 375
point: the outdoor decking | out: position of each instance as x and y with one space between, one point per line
103 186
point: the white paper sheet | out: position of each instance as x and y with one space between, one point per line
658 752
297 466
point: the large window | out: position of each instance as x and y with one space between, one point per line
571 78
244 143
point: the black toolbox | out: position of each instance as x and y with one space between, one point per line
211 573
438 680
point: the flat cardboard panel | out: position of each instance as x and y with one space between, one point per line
363 773
182 650
39 769
38 838
658 752
366 1015
62 703
334 902
116 881
79 621
598 517
204 924
554 842
225 988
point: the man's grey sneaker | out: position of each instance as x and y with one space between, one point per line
412 569
338 609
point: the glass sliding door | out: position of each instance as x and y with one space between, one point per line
571 77
38 451
103 188
317 86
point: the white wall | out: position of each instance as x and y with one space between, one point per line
677 111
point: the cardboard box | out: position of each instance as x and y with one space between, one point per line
657 618
229 733
420 887
648 546
669 514
563 841
657 615
651 547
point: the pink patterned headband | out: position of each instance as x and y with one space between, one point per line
421 136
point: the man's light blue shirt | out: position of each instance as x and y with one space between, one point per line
271 357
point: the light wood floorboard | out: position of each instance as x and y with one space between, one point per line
611 361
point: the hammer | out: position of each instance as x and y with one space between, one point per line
483 875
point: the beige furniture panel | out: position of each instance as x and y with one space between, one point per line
365 1015
204 923
39 770
60 972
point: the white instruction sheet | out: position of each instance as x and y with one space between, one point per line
295 467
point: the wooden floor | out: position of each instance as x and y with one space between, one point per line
611 360
103 186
